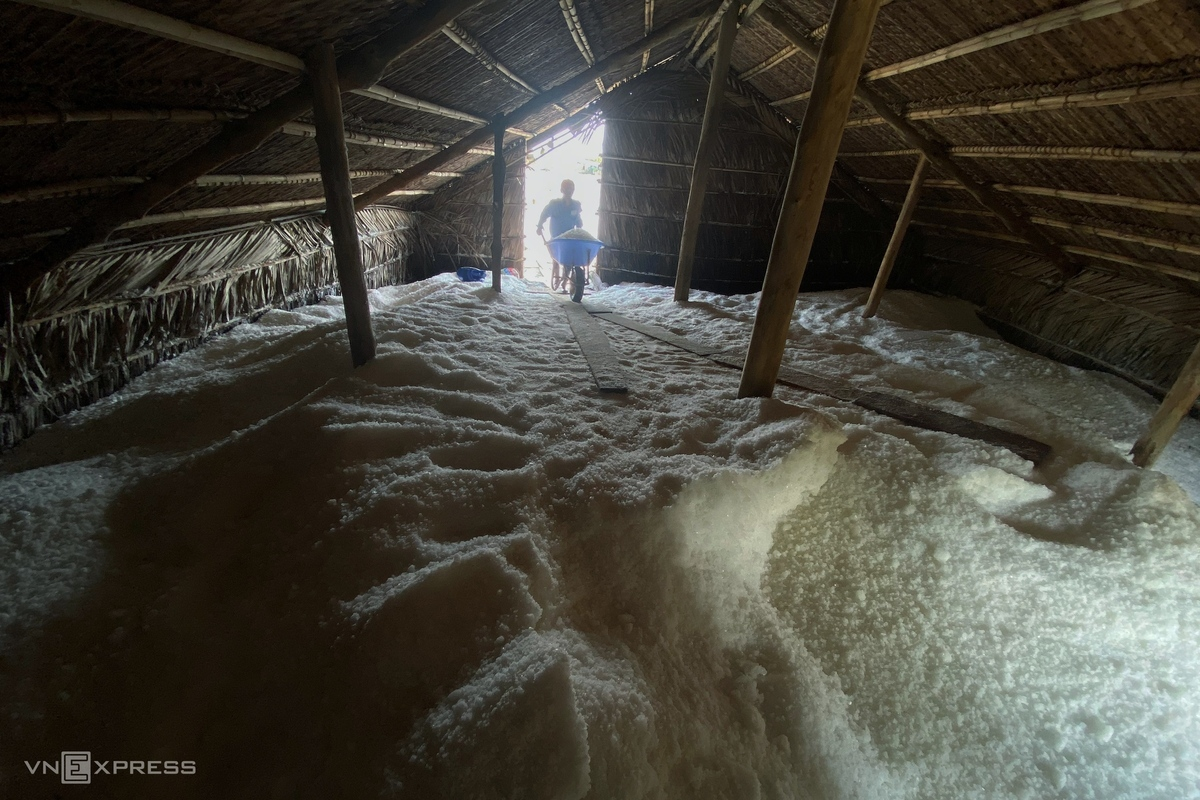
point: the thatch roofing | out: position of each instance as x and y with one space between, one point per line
1029 75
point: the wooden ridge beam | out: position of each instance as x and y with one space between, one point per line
985 196
132 17
356 69
534 105
1034 26
339 202
839 62
897 241
704 150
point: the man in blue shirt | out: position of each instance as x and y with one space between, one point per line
564 214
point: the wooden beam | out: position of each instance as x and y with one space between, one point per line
1175 406
136 18
339 201
709 132
1034 26
838 65
1014 221
1145 92
893 248
498 167
356 69
534 105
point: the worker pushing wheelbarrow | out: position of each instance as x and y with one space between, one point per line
572 248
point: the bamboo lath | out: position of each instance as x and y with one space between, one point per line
1117 235
648 25
1043 23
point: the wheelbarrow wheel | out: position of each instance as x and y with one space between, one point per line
575 281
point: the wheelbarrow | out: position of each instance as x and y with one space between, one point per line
575 250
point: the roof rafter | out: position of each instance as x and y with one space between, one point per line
935 152
550 97
1050 153
571 15
467 41
357 69
1141 93
132 17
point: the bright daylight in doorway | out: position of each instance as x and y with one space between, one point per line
570 156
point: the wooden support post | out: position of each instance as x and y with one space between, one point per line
1174 406
498 205
708 142
893 249
339 200
836 78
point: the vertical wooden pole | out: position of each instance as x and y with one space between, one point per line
339 200
498 166
836 78
1174 406
708 141
893 249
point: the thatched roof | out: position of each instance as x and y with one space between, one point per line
1078 118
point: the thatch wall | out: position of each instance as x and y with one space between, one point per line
456 222
149 302
650 144
1105 321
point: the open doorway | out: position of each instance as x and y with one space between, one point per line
569 155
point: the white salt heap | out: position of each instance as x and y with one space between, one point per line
462 572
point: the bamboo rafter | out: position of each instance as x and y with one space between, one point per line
648 20
1086 252
371 139
1116 235
1043 23
1096 198
571 15
1015 221
770 63
183 115
1050 153
536 104
132 17
1146 92
467 41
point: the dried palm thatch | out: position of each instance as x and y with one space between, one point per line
144 304
650 143
455 223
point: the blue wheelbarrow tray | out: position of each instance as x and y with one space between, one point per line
574 252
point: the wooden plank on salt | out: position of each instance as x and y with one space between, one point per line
898 408
597 352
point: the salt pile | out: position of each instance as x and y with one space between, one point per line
462 572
